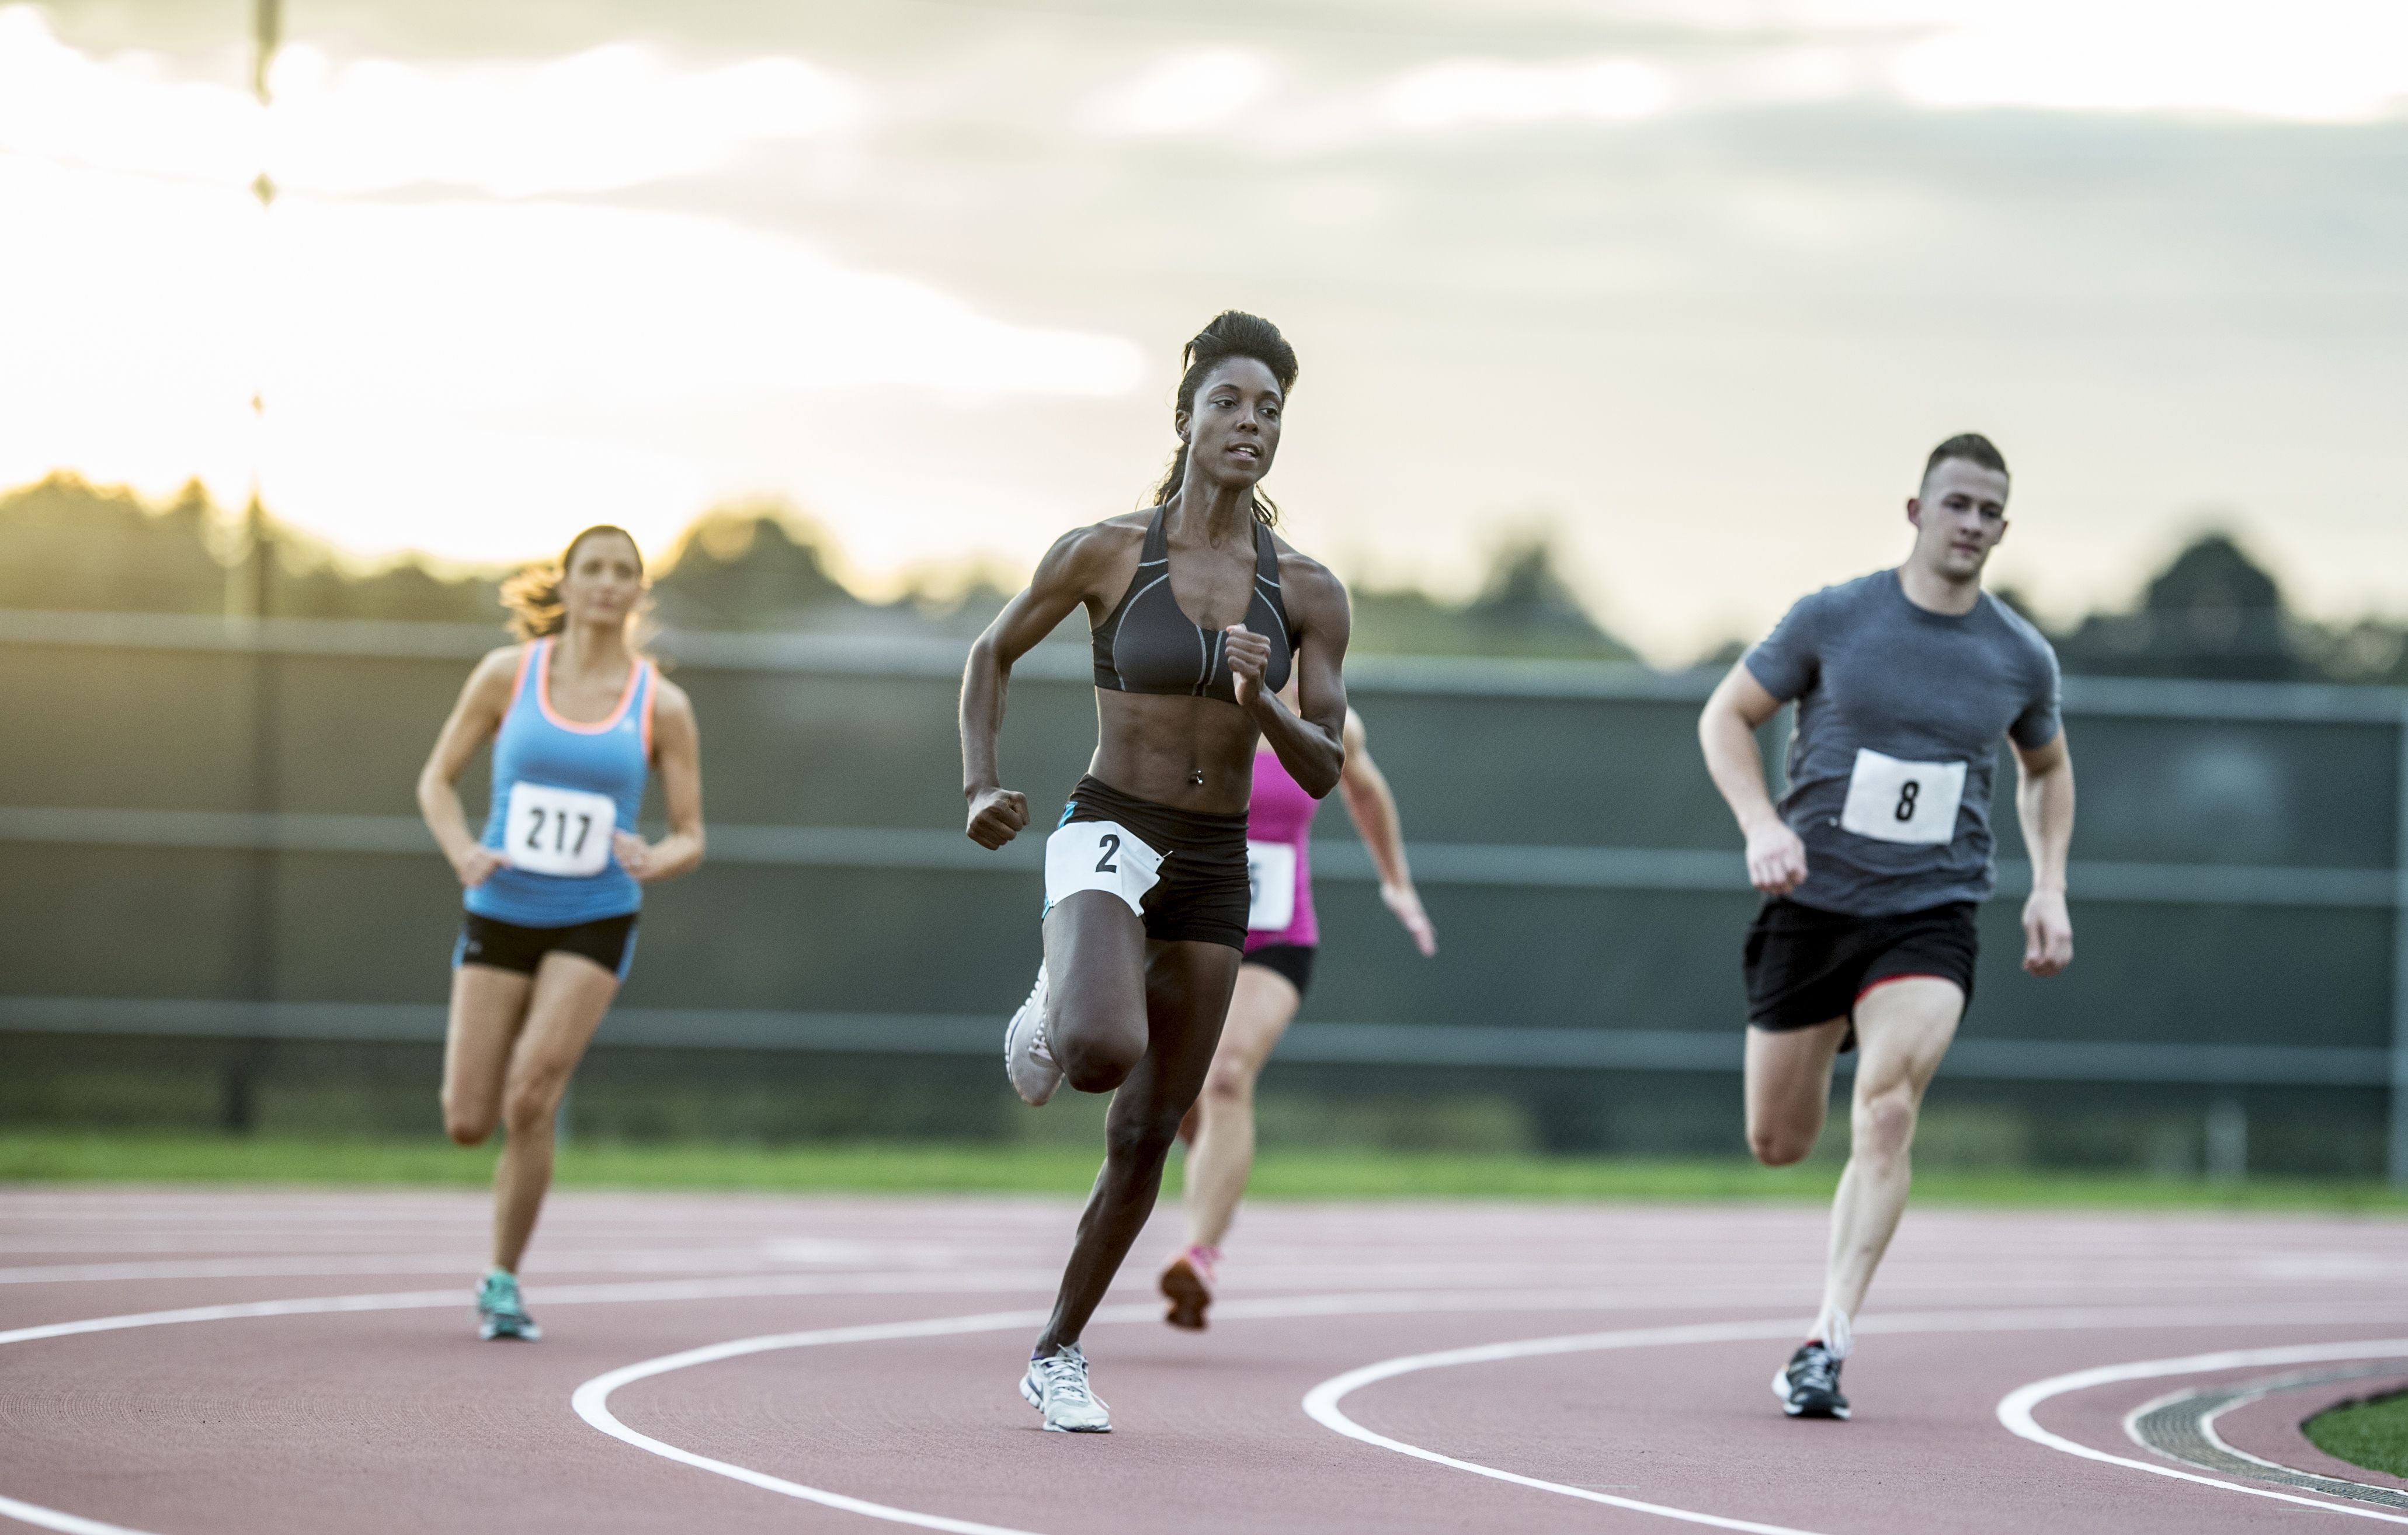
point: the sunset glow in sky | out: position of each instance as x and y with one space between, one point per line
1692 284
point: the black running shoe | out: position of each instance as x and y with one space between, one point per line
1809 1387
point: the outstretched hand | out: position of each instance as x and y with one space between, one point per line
1250 658
1406 903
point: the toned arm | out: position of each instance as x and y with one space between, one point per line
1310 740
1372 806
677 752
2045 805
1066 578
478 713
1776 859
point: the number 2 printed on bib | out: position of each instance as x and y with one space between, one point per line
1894 801
565 832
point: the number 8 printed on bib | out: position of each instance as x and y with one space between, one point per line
1891 800
564 832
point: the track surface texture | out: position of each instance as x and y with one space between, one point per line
204 1362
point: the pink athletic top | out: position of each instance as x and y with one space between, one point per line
1279 853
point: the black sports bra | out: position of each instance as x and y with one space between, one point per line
1147 645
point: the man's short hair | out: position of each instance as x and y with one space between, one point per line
1973 448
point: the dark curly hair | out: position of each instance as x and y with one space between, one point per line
1232 333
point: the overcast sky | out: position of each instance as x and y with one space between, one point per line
1693 283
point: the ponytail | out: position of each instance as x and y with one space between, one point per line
534 597
1231 334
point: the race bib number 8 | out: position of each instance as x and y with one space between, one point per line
559 831
1895 801
1271 886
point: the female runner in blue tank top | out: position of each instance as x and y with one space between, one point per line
1199 614
577 719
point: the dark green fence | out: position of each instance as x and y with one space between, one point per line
210 836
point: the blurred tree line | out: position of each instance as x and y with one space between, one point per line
2213 612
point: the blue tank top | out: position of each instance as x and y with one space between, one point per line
551 779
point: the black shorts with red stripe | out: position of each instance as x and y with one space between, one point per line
1806 967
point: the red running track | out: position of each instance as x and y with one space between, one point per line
181 1362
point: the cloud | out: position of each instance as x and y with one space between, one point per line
1467 92
609 118
1187 93
2315 61
439 367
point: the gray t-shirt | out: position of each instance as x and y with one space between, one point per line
1899 712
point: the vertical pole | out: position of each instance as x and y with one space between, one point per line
252 600
2399 969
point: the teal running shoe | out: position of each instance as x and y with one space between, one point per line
501 1313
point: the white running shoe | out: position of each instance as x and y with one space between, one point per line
1056 1385
1027 1060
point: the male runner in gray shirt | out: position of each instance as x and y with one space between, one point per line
1874 862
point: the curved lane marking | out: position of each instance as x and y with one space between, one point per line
2182 1427
1320 1404
50 1518
2016 1408
591 1400
1332 1305
1322 1401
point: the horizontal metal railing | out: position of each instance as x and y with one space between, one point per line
1325 1044
1536 866
1659 870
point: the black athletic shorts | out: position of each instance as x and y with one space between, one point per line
1202 893
610 942
1807 967
1292 960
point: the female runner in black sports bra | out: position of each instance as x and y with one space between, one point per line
1199 613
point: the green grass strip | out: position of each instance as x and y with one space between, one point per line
1068 1170
2373 1434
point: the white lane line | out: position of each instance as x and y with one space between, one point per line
1322 1403
2016 1409
592 1398
322 1266
591 1401
1374 1303
50 1518
914 1281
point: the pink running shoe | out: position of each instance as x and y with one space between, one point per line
1187 1283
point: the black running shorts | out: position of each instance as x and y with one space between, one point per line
1292 960
610 942
1198 893
1806 967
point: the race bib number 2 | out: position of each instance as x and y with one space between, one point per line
1894 801
560 831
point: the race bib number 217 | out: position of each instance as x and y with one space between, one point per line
559 831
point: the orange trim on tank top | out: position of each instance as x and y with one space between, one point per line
651 695
543 697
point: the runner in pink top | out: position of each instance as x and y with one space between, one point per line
1282 937
1279 862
